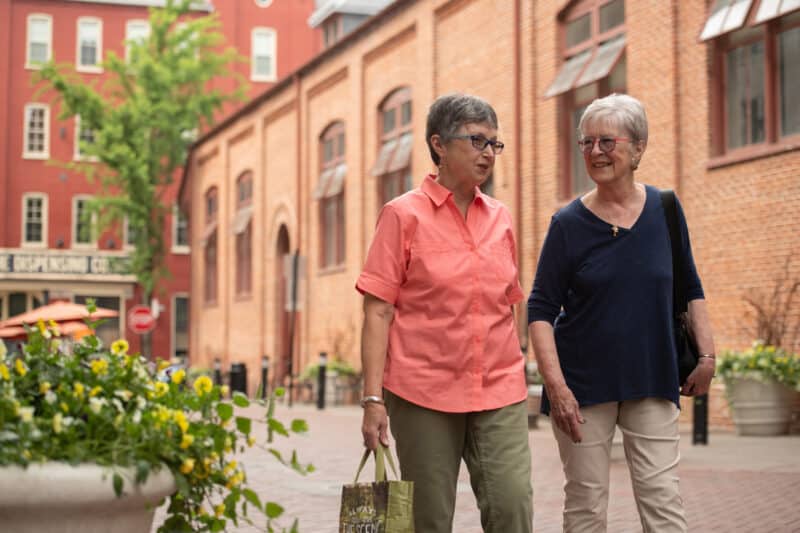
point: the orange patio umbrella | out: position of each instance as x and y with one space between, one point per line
72 328
57 312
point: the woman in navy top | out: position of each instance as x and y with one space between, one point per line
600 316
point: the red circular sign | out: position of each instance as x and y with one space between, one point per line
141 319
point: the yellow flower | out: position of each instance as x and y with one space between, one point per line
163 414
78 389
26 454
219 509
162 364
53 326
64 407
251 440
230 467
4 372
95 391
186 441
15 405
201 511
224 390
228 444
99 367
57 422
161 389
187 466
180 419
235 480
203 385
20 367
44 386
178 376
41 326
119 347
26 414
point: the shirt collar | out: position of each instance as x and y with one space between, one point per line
439 194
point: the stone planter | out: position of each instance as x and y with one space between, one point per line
59 498
534 405
760 408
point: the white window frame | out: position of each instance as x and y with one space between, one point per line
77 155
45 153
272 52
179 248
29 64
74 226
174 319
131 24
45 219
80 67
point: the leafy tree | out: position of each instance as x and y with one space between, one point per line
143 120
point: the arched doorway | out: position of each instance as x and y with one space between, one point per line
282 316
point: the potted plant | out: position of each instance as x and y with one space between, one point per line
342 381
84 413
761 384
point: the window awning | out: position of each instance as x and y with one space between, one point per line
322 184
337 181
603 61
769 9
209 231
726 16
402 156
384 157
570 70
241 219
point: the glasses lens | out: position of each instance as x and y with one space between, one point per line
498 148
479 142
586 144
607 144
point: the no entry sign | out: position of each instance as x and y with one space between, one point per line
141 319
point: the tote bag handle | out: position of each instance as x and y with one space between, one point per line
381 452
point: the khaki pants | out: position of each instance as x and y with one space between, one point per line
650 439
493 444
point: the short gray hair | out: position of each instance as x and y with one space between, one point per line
451 111
619 109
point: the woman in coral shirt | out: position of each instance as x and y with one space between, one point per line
439 343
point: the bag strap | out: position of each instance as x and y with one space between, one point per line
680 303
381 452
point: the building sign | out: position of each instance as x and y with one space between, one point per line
60 263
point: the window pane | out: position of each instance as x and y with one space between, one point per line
83 226
181 326
579 30
388 120
17 303
405 113
33 220
88 38
182 230
580 178
38 40
745 95
612 15
327 150
757 90
36 129
329 232
340 145
789 61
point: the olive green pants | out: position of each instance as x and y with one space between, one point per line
494 446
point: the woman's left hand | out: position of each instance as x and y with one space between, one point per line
699 380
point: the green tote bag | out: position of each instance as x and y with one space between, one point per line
380 507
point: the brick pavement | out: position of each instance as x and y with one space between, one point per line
736 484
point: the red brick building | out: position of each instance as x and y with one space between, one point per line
322 151
45 250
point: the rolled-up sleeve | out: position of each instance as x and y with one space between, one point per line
552 277
384 270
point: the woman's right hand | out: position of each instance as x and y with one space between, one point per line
374 425
565 412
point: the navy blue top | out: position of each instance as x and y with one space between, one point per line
610 300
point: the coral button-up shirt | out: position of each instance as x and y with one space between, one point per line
453 344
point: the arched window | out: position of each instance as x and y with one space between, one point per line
592 49
330 194
393 165
243 229
210 246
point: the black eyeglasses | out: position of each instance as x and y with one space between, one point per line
479 142
606 144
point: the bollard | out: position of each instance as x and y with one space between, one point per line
323 362
700 420
264 375
238 378
217 372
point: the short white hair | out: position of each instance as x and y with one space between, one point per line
619 109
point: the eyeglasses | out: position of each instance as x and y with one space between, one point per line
606 144
479 142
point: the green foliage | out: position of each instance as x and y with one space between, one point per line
83 402
761 362
144 120
342 368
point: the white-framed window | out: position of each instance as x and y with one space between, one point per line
36 142
83 135
180 325
39 48
89 45
180 231
264 54
137 30
128 234
34 219
83 223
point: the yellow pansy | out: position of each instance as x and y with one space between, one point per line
162 364
78 389
224 390
64 407
44 386
57 422
180 419
251 440
203 385
235 480
228 444
187 465
178 376
42 328
230 467
163 414
219 509
119 347
161 389
4 372
95 391
186 441
20 367
99 367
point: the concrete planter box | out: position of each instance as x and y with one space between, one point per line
59 498
760 408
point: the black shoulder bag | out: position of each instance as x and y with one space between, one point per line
685 344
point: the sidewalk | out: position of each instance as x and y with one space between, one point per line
746 484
